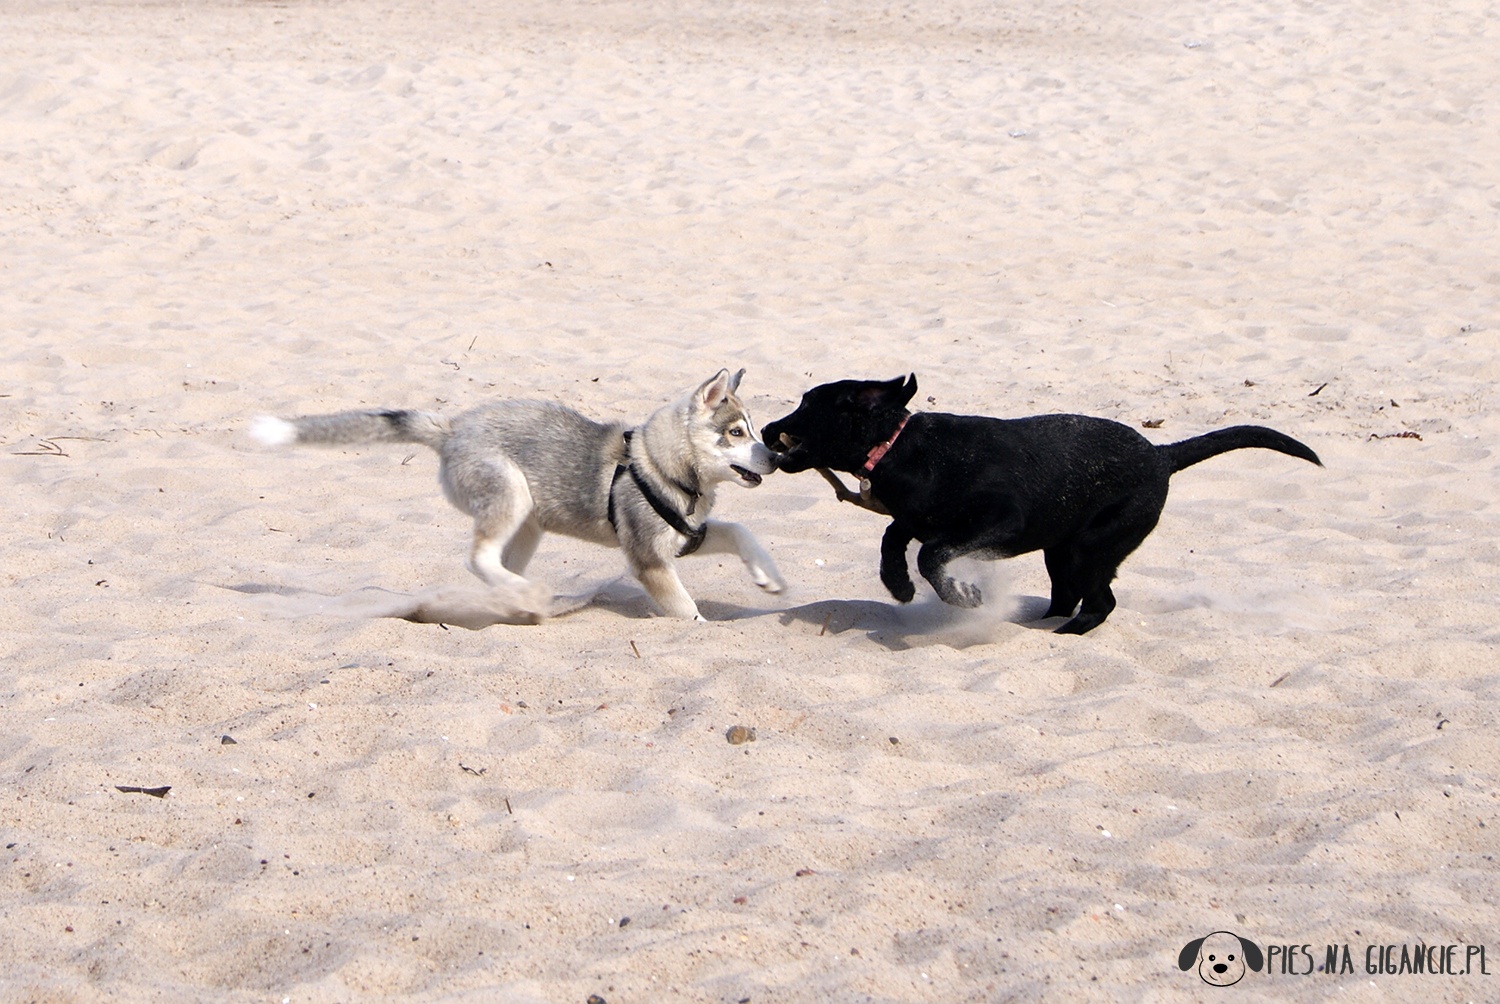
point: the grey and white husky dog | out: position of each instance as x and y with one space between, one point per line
524 468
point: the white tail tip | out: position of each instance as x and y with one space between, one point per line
272 431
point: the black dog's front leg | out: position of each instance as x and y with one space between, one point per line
998 539
932 562
893 570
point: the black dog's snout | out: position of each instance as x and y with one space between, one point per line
782 442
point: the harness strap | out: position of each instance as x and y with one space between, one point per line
668 515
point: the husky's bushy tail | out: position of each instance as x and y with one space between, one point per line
382 426
1237 437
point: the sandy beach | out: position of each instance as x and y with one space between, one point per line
1188 215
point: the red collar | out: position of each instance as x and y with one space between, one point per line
880 451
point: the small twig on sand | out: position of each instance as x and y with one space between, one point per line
130 789
824 629
635 650
48 449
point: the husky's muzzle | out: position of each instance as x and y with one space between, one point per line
760 462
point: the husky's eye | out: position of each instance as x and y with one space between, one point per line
736 431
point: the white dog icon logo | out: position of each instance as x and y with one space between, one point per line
1221 958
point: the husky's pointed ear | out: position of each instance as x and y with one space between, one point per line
890 394
734 382
1188 957
714 390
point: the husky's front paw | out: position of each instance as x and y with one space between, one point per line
771 583
764 574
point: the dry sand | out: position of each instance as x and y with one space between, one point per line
1188 213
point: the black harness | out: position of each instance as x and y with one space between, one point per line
669 515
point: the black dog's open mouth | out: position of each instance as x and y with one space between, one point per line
749 476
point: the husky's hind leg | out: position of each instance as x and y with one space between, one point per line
500 501
732 538
518 553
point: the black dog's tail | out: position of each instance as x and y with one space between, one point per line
1237 437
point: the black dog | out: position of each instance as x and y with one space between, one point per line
1083 491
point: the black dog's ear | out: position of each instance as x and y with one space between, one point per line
909 391
890 394
1188 957
1253 957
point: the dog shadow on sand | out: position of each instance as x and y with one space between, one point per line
927 621
897 627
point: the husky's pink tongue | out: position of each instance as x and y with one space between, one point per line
749 476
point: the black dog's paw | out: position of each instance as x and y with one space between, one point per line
1082 624
895 576
959 594
904 592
